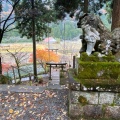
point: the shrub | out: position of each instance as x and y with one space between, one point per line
40 79
5 79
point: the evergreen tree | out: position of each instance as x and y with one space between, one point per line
71 6
43 14
88 6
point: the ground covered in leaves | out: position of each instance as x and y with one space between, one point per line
48 105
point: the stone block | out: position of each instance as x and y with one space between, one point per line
106 98
93 111
75 110
112 112
74 86
74 96
92 97
117 99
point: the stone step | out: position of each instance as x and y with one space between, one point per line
54 86
55 81
55 76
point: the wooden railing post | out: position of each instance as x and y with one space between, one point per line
30 80
73 61
14 74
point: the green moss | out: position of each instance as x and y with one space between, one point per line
62 75
94 71
112 104
94 58
99 70
102 83
82 100
40 79
104 107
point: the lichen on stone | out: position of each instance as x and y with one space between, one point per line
82 100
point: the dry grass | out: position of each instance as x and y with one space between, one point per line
71 47
25 47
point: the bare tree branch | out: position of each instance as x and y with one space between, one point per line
10 30
9 2
10 14
9 25
5 20
4 25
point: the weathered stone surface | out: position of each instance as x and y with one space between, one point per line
74 86
117 99
109 107
74 96
112 112
92 97
75 110
93 111
95 22
116 38
117 56
106 98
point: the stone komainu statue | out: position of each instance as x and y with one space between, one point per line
106 43
91 36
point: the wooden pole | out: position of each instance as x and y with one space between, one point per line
73 61
50 74
14 74
30 79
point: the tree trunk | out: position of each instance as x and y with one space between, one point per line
34 43
0 66
116 14
101 3
19 73
86 6
1 36
86 2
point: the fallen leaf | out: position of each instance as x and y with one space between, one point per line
17 112
11 111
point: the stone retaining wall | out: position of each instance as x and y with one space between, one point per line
100 105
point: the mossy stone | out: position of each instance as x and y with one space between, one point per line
82 100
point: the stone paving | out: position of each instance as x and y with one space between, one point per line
47 105
22 102
22 88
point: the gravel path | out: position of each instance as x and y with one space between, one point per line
48 105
